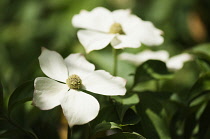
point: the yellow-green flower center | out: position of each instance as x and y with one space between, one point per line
116 28
74 82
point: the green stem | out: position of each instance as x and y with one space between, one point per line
69 135
115 61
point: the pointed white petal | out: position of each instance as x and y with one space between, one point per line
53 65
124 41
92 40
48 93
141 57
121 16
99 19
145 31
148 34
101 82
177 62
79 108
77 64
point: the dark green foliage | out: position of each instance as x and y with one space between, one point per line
159 103
152 70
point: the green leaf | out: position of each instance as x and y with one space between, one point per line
125 135
123 103
106 114
204 121
1 99
105 126
159 124
15 133
130 118
200 88
157 102
10 134
152 69
202 51
21 94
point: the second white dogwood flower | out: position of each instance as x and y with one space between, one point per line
120 28
173 63
67 78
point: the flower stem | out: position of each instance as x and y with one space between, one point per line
115 61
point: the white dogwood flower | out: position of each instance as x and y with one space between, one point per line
120 28
67 78
173 63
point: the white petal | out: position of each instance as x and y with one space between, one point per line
52 64
141 57
124 41
145 31
121 16
77 64
150 35
48 93
177 62
79 108
99 19
101 82
92 40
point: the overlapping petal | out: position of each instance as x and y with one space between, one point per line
126 19
79 108
99 19
101 82
123 41
48 93
53 65
147 33
121 16
77 64
92 40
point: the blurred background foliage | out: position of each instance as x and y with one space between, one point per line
179 108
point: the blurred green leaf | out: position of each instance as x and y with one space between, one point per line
155 101
205 65
105 126
125 135
14 134
202 51
152 69
123 103
21 94
10 134
159 124
106 114
1 99
189 125
201 87
130 118
204 121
